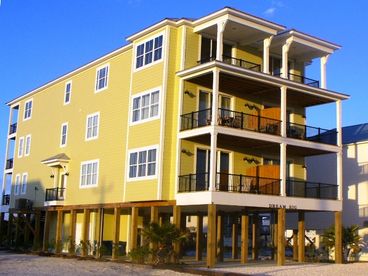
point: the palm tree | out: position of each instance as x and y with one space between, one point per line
351 241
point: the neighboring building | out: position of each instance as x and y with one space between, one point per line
201 117
355 179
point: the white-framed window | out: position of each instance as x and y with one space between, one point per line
89 174
63 134
23 187
146 106
28 110
17 184
27 145
102 78
92 125
68 92
20 147
143 163
149 52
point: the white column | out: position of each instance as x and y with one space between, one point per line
266 54
339 144
283 104
283 165
285 57
323 71
220 39
213 165
215 93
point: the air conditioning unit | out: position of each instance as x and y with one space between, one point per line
23 204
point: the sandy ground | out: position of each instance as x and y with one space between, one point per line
21 264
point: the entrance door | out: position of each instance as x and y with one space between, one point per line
202 169
224 171
204 108
62 186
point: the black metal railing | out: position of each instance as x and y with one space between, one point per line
311 189
6 199
205 60
235 119
13 128
301 79
196 119
315 134
227 182
9 163
242 63
55 194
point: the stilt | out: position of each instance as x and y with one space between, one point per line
280 236
85 232
9 230
274 238
199 238
301 237
36 238
220 238
295 245
46 231
27 228
338 237
17 230
99 231
116 234
255 236
73 220
59 224
211 236
234 239
244 238
133 228
176 222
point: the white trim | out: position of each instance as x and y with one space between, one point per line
66 134
98 126
17 184
106 65
24 110
137 150
20 147
27 150
152 37
183 47
22 184
140 94
179 141
70 92
97 173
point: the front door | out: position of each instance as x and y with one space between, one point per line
224 171
202 169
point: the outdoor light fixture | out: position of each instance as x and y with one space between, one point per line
190 94
251 160
187 152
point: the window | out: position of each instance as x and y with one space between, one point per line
27 149
92 126
28 110
146 106
20 147
17 184
64 134
23 187
149 52
89 174
102 78
68 92
142 163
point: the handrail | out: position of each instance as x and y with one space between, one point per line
302 79
9 163
310 133
54 194
308 189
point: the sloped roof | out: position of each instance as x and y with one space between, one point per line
355 133
56 158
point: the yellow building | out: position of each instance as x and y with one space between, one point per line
202 117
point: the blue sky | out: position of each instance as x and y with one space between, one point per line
41 40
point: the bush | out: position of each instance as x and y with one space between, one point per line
140 255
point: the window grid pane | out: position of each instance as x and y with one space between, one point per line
89 174
149 51
146 106
142 163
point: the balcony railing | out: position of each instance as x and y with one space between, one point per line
13 128
311 189
55 194
301 79
230 183
9 164
6 199
315 134
230 118
234 61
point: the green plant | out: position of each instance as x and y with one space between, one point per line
140 254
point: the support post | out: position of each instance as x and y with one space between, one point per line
85 232
45 243
280 236
116 234
133 229
255 236
220 39
234 239
220 239
301 236
36 238
26 228
177 222
9 230
295 245
58 238
244 238
154 219
285 58
17 230
100 231
199 238
324 60
266 54
73 219
338 237
339 156
211 236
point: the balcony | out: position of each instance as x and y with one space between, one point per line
226 182
311 189
13 128
55 194
309 133
9 164
233 119
6 199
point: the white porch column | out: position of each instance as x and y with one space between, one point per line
283 105
215 93
213 155
283 169
339 144
220 39
266 54
285 58
324 60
